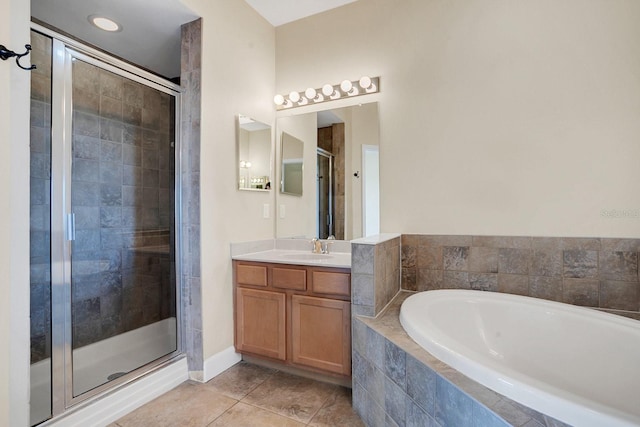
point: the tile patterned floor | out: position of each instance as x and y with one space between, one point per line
247 395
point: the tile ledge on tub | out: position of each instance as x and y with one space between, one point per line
376 239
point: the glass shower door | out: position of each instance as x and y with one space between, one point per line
122 222
103 199
325 194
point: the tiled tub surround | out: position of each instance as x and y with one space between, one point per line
397 383
593 272
547 355
375 273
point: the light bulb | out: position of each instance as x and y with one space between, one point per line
365 82
310 93
327 90
294 96
248 164
243 163
346 86
278 100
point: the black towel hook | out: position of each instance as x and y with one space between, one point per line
6 54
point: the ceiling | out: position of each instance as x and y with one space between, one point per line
279 12
150 35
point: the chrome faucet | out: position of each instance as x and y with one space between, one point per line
317 246
320 246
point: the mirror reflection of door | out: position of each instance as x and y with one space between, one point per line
331 164
292 165
370 190
324 193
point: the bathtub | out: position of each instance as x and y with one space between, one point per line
575 364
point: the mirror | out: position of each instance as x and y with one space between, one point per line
340 174
292 165
254 154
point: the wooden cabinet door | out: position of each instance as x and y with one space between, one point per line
321 333
261 323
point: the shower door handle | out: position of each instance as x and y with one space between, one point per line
71 226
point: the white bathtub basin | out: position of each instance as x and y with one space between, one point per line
575 364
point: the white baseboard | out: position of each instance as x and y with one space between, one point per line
220 362
116 405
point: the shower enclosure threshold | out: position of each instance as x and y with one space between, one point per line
94 363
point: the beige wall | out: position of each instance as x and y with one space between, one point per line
238 74
14 218
496 117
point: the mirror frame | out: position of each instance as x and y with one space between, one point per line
240 118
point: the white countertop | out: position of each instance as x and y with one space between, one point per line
284 256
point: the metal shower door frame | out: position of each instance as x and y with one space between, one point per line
64 51
324 153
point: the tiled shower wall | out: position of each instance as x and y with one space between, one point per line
123 200
190 77
40 203
593 272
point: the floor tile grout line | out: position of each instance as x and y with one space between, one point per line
326 404
222 414
276 371
258 385
275 413
335 392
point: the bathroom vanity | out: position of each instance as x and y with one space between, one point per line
297 314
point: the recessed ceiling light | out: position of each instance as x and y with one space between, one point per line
105 24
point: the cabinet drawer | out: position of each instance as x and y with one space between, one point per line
290 278
255 275
325 282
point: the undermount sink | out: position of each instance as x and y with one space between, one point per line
307 257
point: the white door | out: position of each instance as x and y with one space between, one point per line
370 190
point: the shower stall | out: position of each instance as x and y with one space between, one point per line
104 212
325 194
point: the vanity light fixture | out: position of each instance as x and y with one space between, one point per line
104 23
245 164
348 88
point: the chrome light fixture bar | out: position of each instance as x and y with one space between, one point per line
346 89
